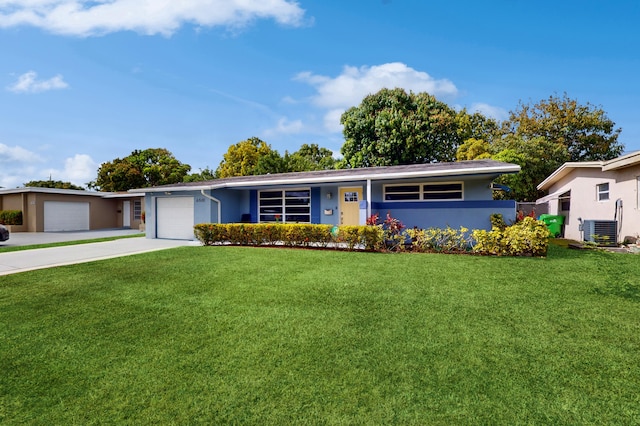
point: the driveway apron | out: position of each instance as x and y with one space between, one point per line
27 260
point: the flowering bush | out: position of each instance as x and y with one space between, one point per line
446 240
528 237
392 231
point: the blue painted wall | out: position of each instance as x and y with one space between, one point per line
470 214
473 212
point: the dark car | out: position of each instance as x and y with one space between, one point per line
4 233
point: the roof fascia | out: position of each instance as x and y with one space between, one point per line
507 169
628 160
564 170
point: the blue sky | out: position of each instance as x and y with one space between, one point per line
85 82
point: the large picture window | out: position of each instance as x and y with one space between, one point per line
286 206
424 192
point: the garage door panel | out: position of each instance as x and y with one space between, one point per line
66 216
175 218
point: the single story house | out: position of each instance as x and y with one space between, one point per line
420 195
597 198
51 210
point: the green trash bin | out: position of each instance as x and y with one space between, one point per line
554 223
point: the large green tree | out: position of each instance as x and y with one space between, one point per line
58 184
585 130
537 157
255 157
202 175
393 127
243 158
475 126
141 169
310 157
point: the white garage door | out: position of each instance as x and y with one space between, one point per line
65 216
175 218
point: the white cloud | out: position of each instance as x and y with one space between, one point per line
95 17
354 84
285 127
29 83
490 111
12 155
78 170
17 165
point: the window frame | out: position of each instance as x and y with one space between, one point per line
601 193
137 210
422 188
284 209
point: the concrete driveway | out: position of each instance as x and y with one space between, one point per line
30 238
27 260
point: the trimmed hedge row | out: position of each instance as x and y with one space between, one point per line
11 217
526 238
291 235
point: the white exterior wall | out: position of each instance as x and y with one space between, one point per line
623 184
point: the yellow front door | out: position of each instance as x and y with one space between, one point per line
350 205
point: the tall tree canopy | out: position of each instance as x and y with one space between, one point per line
58 184
537 157
141 169
585 131
393 127
310 157
255 157
243 158
202 175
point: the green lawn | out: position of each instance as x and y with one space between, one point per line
6 249
232 335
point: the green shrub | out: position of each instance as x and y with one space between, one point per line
497 221
446 240
529 237
293 235
11 217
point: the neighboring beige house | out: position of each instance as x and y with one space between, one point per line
597 198
52 210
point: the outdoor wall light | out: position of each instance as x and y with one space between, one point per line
167 193
329 195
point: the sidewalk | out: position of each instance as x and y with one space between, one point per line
28 260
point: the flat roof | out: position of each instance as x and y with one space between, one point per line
58 191
460 168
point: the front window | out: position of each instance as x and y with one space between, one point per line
351 197
137 210
424 192
603 191
286 206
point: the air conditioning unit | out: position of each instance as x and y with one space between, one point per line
601 232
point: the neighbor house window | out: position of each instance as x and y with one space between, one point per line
603 191
137 210
287 206
424 192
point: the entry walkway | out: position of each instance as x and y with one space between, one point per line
28 260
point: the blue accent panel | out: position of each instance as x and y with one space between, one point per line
474 214
475 204
253 205
315 205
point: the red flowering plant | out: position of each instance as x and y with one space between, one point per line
373 219
520 215
394 236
